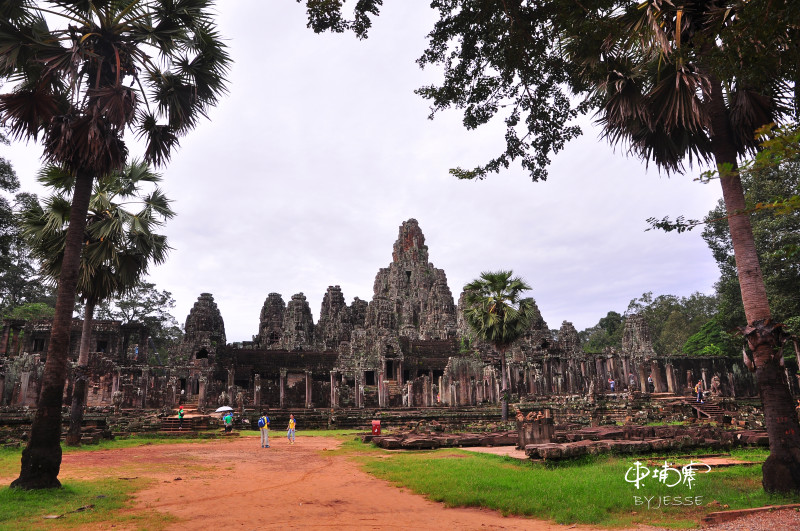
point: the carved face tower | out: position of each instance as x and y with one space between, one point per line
205 330
411 296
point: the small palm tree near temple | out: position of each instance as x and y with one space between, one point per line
119 247
497 313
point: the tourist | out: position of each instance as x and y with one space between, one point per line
263 423
228 420
631 382
650 385
699 390
611 384
290 429
180 418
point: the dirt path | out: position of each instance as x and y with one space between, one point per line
235 484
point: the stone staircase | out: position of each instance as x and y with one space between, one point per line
394 392
706 410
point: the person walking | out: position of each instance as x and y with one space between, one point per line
263 423
180 418
699 390
290 429
228 420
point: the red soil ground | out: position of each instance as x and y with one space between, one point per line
235 484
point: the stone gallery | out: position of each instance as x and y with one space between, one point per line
409 347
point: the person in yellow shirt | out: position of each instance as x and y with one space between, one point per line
290 430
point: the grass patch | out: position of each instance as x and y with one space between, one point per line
79 503
590 490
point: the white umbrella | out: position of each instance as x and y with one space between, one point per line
224 408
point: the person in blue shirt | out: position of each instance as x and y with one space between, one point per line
263 423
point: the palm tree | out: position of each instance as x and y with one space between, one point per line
120 245
687 80
152 66
498 315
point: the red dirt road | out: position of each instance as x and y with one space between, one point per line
235 484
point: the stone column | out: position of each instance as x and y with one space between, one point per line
410 394
201 393
731 384
670 378
360 389
283 389
400 373
231 390
257 392
309 387
642 372
704 371
15 343
173 386
654 370
145 384
689 380
334 401
4 343
381 388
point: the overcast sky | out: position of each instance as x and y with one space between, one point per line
307 168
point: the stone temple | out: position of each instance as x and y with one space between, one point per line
408 347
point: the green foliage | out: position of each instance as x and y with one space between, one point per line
671 319
150 306
32 310
648 68
19 283
495 310
710 340
607 333
120 243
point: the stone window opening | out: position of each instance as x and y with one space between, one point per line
369 378
38 344
390 369
408 276
102 346
201 354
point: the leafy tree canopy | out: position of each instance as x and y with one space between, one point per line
673 319
147 305
647 68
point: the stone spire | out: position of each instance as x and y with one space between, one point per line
298 325
270 328
411 296
636 338
569 340
335 320
204 330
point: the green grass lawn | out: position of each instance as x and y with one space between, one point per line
591 490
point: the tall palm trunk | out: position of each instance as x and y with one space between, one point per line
41 459
73 437
781 471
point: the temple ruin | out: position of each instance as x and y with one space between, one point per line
408 347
